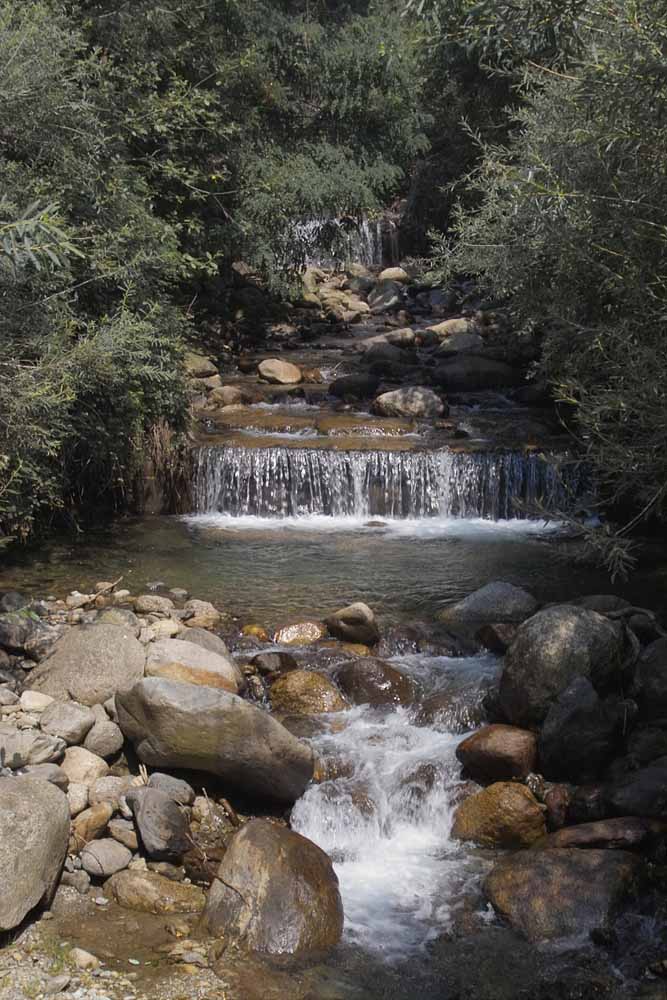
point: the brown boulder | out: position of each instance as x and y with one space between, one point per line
369 681
498 753
276 893
624 832
300 634
502 815
355 623
302 692
153 893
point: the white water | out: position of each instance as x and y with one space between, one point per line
387 826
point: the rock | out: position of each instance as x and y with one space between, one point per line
12 600
459 326
551 649
273 663
149 892
652 681
90 664
207 640
557 800
358 386
34 829
47 772
386 295
625 833
110 789
123 831
229 395
303 692
89 825
199 366
161 823
502 815
80 765
153 604
602 603
405 338
645 744
414 401
15 630
33 701
205 729
276 893
300 634
119 616
20 747
279 372
540 892
468 373
105 740
103 858
84 960
175 788
355 623
498 753
190 663
67 720
497 637
369 681
77 797
581 733
460 343
587 805
201 615
456 711
166 628
496 602
639 793
396 274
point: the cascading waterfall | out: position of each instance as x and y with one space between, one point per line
333 242
290 482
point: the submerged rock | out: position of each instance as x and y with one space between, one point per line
34 831
497 753
497 602
547 895
355 623
205 729
276 893
551 649
303 692
503 815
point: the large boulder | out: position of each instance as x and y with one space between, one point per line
358 386
185 661
279 372
150 892
639 793
551 649
355 623
90 664
276 893
498 753
414 401
369 681
205 639
581 733
469 373
304 692
494 603
207 729
503 815
547 895
34 831
396 274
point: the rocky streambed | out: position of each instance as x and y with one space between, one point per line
195 806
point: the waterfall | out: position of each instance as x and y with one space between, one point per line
288 482
334 242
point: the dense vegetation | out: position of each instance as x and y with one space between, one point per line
145 147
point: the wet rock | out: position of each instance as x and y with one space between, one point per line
177 789
587 804
34 830
149 892
89 825
279 372
551 649
183 661
602 603
502 815
204 729
498 753
497 637
493 603
652 681
207 640
639 793
385 297
624 833
300 634
358 386
276 893
20 747
540 892
368 681
90 664
161 823
103 858
82 766
67 720
201 615
354 624
581 733
303 692
467 373
557 800
273 663
454 711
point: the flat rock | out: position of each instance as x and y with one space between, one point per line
68 720
498 753
149 892
185 661
279 372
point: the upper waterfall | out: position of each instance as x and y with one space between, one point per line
288 482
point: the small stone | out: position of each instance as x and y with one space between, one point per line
123 831
89 825
68 720
78 880
33 701
103 858
152 604
57 984
105 739
82 766
84 960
